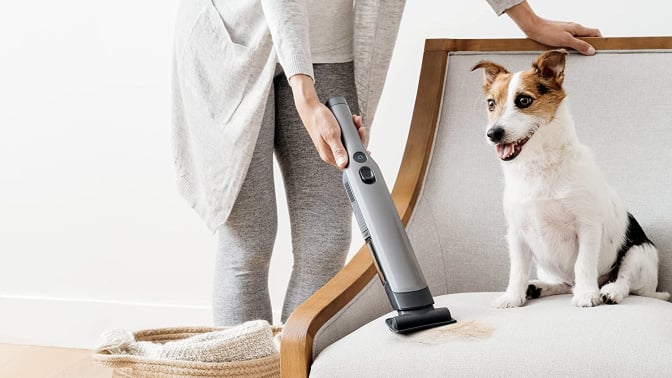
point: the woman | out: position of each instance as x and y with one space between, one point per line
248 77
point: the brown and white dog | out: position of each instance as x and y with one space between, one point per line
561 213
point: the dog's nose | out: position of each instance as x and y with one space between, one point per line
495 134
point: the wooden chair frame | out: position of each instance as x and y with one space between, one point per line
303 324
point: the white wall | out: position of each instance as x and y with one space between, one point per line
93 234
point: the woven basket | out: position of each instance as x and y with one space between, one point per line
143 367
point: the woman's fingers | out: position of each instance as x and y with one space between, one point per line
360 128
579 30
338 154
563 34
581 46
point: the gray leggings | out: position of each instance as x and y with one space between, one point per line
319 211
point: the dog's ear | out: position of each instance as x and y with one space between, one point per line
490 72
551 65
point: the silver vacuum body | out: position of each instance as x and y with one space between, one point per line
384 233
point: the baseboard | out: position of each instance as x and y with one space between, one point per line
77 323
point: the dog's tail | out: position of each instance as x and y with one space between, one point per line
662 295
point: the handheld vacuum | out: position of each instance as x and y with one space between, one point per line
385 235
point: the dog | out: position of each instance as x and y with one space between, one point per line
562 215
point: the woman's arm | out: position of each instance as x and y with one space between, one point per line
288 22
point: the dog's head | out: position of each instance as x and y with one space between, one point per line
520 103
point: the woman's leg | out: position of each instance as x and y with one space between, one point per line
319 210
245 241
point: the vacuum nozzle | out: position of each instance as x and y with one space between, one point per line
416 320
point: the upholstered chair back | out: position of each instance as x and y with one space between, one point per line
621 102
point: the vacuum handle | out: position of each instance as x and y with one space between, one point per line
349 134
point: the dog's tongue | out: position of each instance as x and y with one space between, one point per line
503 150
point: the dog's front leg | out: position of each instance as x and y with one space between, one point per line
586 291
521 261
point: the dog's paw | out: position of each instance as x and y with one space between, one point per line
612 293
587 298
509 300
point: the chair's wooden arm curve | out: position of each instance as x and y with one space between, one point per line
305 321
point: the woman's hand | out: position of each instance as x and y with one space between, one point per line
552 33
320 122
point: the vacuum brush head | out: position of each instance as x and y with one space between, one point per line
416 320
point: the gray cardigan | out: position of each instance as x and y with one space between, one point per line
224 60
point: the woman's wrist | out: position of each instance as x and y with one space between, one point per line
303 90
523 15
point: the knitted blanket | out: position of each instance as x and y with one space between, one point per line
247 341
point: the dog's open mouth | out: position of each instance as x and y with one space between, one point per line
509 151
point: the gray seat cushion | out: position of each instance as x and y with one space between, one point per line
547 337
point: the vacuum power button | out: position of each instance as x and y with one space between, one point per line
359 157
367 176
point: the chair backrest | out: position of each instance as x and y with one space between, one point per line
621 101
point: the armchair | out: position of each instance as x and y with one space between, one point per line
448 194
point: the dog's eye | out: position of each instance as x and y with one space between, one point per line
491 104
523 101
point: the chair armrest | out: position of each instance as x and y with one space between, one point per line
301 327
